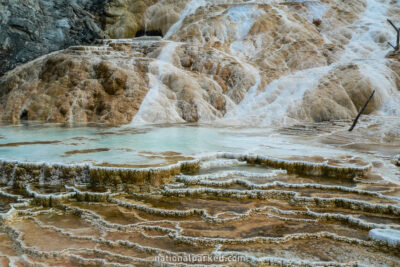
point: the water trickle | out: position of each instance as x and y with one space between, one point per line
190 9
279 102
159 106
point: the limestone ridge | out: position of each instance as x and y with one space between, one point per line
221 61
29 29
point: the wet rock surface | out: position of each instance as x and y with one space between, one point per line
251 215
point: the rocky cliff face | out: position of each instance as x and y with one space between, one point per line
230 61
32 28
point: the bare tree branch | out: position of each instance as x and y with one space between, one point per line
394 26
392 45
361 112
397 47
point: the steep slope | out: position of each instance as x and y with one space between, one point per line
232 62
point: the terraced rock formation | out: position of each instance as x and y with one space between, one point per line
246 214
234 62
258 168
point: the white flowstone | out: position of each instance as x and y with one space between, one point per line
390 236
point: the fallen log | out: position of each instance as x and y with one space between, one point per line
361 112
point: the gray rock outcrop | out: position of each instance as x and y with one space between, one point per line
32 28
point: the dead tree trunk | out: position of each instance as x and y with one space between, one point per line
397 47
361 112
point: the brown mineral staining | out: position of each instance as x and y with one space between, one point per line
29 143
125 18
170 153
86 151
71 88
170 157
113 81
115 165
317 22
80 138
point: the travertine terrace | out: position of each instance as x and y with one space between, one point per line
237 60
201 133
239 209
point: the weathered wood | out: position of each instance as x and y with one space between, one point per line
361 112
397 47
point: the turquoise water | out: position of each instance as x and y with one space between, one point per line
128 145
167 144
